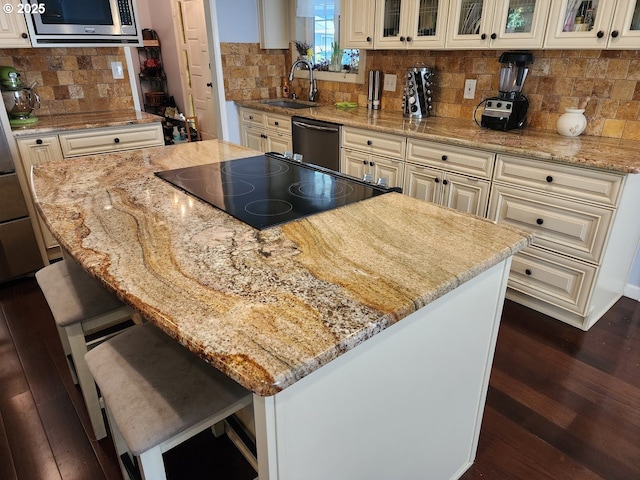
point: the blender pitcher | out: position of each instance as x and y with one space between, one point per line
513 73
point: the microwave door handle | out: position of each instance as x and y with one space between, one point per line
315 127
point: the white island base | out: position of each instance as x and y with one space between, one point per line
406 404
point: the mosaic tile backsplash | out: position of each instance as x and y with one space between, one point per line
72 80
557 79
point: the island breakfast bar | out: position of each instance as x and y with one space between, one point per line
366 332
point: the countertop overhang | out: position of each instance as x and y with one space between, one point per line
265 307
78 121
603 153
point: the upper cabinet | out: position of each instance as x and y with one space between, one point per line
13 29
594 24
357 24
410 24
504 24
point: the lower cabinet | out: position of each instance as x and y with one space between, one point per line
374 168
465 194
37 149
265 132
586 229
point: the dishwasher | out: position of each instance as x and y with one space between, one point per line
318 142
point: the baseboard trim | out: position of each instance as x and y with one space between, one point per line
632 291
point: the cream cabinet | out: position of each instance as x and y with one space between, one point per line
586 235
37 149
265 132
410 24
374 156
504 24
452 176
599 24
357 20
13 28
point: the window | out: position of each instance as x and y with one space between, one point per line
317 22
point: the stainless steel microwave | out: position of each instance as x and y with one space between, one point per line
74 23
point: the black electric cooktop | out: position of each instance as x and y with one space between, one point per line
270 189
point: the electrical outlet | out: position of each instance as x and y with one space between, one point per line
389 83
116 70
469 88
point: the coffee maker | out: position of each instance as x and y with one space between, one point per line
509 109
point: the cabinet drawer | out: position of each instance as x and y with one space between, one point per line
554 279
583 183
254 117
281 123
373 142
468 161
563 225
104 140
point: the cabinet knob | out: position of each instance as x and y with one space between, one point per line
528 272
24 35
39 141
409 39
600 34
483 36
549 178
445 182
437 180
276 123
444 158
209 84
539 221
369 142
368 39
493 36
250 117
615 33
371 164
364 162
402 39
116 140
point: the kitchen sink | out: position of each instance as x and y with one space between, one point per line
290 103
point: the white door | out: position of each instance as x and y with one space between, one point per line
195 72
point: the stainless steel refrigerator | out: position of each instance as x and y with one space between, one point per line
19 254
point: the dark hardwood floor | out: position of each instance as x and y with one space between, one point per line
562 403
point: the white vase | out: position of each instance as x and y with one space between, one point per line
572 122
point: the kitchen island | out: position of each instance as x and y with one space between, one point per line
365 332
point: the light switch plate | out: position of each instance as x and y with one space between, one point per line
469 88
116 70
389 83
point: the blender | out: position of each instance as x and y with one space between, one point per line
509 109
19 101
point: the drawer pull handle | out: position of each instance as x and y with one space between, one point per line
444 158
528 272
116 140
39 141
539 221
549 178
369 142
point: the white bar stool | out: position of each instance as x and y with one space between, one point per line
158 394
81 306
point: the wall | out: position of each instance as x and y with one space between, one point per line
72 80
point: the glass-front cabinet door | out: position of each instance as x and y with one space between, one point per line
497 24
410 24
626 22
581 23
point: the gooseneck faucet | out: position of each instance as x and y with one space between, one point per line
313 86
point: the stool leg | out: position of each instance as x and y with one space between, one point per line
78 347
118 442
67 353
151 465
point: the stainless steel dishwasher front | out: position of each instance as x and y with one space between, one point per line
318 142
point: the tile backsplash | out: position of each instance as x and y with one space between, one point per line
557 79
72 80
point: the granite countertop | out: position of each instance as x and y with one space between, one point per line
78 121
265 307
597 152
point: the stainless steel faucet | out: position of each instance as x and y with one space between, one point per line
313 86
